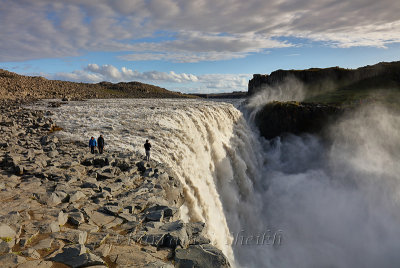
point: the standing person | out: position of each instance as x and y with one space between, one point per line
92 144
100 143
147 147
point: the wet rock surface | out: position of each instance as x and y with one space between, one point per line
280 118
64 207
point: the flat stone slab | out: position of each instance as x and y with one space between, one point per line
36 264
200 256
11 260
76 256
132 256
7 231
44 244
100 219
72 236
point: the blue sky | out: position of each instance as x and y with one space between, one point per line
195 45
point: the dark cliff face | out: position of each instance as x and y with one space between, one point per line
327 92
279 118
318 80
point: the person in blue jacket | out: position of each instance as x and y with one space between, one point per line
92 144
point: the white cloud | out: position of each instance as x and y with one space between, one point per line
188 31
207 83
108 71
96 73
198 46
183 57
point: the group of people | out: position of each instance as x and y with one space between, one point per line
100 145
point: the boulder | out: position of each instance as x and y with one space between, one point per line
159 213
76 256
76 196
176 234
76 218
53 200
6 231
102 176
89 228
11 260
123 165
133 256
194 228
36 264
100 219
19 170
4 247
62 218
44 244
51 227
168 235
45 140
141 166
72 236
53 153
87 162
103 250
100 161
31 253
200 256
92 185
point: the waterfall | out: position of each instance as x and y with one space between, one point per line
208 145
296 202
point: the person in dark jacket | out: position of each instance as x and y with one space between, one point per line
92 144
100 143
147 147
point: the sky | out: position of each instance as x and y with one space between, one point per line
190 46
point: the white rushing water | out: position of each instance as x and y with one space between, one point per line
298 202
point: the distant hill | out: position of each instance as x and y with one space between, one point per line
336 85
19 87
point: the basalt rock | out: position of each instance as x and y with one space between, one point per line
200 256
280 118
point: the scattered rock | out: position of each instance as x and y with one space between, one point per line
11 260
36 264
44 244
200 256
76 196
76 256
100 162
4 247
141 166
72 236
76 218
62 218
6 231
132 256
31 253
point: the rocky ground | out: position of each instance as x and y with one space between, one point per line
61 206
